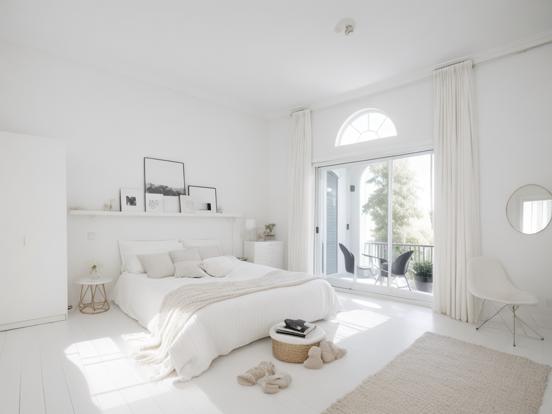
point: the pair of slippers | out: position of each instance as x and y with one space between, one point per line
266 376
325 353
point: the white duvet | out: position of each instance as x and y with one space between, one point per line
224 326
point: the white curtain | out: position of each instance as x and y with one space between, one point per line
301 196
457 227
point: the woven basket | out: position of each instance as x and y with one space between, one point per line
296 354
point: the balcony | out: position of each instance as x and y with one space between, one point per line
369 267
376 252
422 252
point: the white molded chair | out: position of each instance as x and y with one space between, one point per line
488 280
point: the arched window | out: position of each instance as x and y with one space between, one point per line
365 125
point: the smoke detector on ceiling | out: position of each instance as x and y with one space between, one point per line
345 26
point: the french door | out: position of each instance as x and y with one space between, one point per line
375 225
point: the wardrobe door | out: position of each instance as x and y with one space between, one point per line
33 258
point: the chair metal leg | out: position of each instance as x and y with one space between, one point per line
514 312
487 320
514 309
407 284
481 310
530 327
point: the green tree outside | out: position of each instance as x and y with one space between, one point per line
406 211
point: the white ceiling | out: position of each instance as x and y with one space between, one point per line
268 56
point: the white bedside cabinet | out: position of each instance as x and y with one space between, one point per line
268 253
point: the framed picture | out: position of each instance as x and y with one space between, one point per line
186 204
205 198
154 203
129 199
166 178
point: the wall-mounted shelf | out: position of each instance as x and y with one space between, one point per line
103 213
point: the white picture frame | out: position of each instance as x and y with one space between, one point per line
186 204
167 178
154 203
129 199
205 198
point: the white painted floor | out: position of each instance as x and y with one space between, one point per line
82 366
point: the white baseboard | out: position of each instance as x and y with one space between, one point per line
32 322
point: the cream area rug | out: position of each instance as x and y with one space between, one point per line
442 375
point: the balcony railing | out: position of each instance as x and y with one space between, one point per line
422 252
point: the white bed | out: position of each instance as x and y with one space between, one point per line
221 327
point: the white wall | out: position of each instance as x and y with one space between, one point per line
514 96
279 131
109 123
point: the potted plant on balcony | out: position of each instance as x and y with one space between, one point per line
423 276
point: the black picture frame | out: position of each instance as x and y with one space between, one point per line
164 189
208 188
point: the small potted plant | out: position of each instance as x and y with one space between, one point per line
269 231
94 270
423 276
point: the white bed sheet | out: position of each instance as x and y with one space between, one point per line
224 326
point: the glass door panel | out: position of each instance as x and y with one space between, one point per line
373 226
334 258
332 181
413 223
371 217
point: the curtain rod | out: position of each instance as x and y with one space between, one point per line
494 56
299 109
337 163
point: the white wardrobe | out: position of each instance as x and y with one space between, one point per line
33 231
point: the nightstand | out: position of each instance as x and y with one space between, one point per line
95 289
268 253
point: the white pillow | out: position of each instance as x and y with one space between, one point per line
132 264
207 247
130 250
188 254
220 266
157 265
189 268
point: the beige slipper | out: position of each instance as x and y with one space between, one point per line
251 376
314 360
271 384
331 352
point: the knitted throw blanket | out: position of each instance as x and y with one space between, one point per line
182 303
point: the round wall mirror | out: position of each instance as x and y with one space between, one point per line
529 209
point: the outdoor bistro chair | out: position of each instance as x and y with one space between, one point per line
399 268
350 261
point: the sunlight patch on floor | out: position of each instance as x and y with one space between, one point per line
355 321
111 376
367 303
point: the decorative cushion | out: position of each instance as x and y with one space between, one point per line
189 268
188 254
130 250
220 266
207 247
157 265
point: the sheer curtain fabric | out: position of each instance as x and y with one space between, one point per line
457 227
301 207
